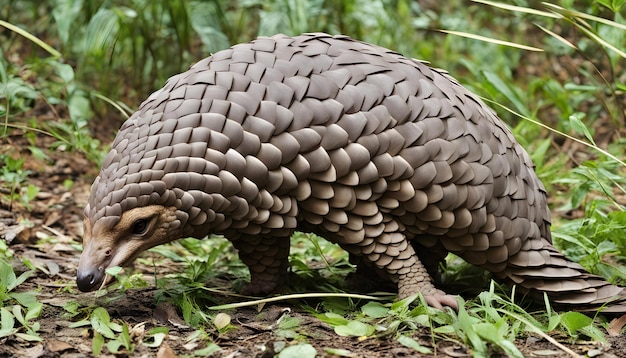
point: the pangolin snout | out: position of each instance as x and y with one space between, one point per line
93 261
90 279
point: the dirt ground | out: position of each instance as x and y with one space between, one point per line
48 234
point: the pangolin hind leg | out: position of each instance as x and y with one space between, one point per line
392 252
267 257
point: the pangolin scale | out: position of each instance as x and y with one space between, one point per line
389 158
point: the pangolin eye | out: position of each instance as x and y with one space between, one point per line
140 226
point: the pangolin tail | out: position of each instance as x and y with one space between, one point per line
567 284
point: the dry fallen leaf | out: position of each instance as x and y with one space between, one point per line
166 352
616 325
55 345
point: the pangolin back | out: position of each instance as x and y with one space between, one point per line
389 158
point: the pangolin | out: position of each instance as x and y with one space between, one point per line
387 157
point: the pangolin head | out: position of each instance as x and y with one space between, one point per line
112 241
151 190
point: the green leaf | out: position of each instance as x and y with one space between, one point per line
413 344
17 312
8 322
403 304
157 335
487 331
81 323
355 329
97 344
207 351
510 348
100 321
34 311
65 71
375 309
114 271
579 127
7 275
31 337
447 329
26 299
80 109
553 322
124 337
72 307
19 280
114 346
304 350
333 319
575 321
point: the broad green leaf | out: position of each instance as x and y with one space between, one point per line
97 344
157 335
26 299
594 333
34 311
81 323
575 321
304 350
487 331
100 321
19 316
411 343
114 346
403 304
553 322
114 271
510 348
8 322
80 109
7 275
207 351
29 337
333 319
355 329
66 72
375 309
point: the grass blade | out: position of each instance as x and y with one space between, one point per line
31 37
491 40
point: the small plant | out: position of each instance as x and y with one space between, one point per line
13 175
24 305
124 280
119 338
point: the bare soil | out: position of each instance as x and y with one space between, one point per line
47 232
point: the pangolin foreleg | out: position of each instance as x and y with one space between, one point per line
267 257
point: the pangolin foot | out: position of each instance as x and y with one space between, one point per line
258 288
441 299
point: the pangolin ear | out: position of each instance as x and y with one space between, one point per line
86 230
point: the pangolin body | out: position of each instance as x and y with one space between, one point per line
389 158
